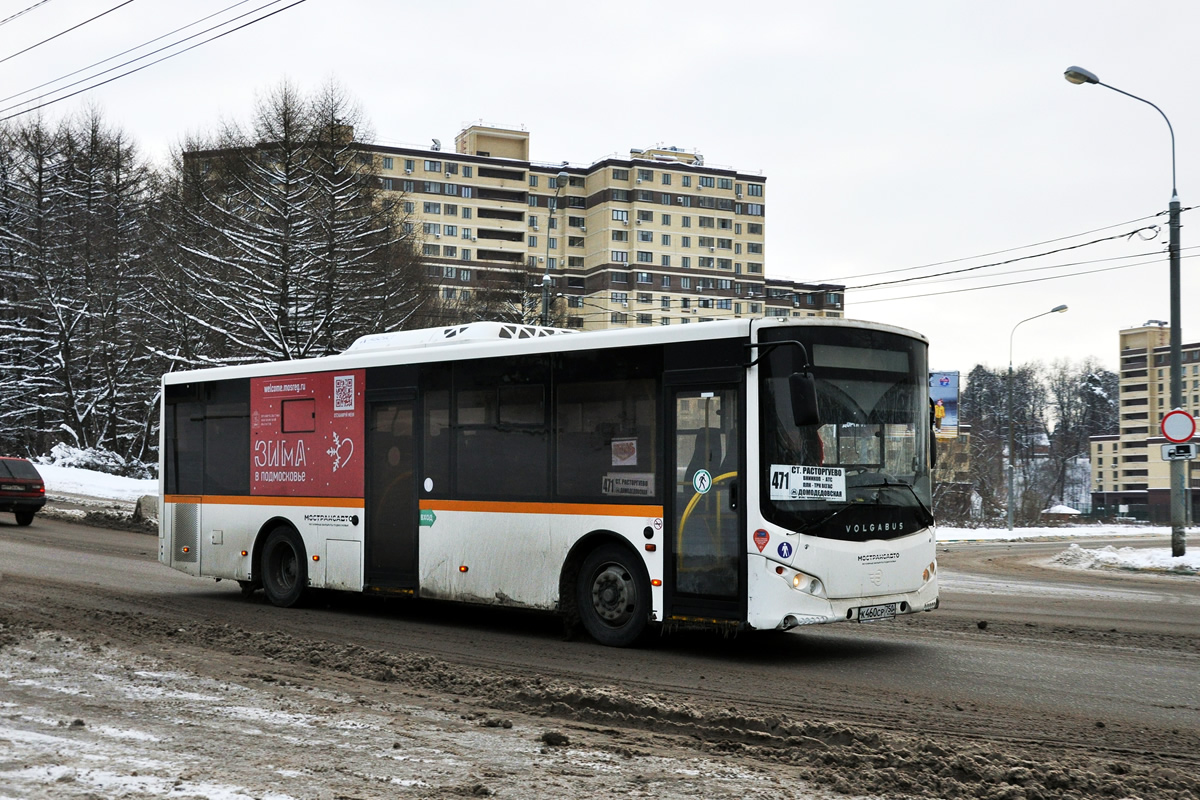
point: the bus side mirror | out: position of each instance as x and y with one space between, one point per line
804 399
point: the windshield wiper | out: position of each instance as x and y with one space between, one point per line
896 484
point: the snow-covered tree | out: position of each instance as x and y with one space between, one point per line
72 216
280 241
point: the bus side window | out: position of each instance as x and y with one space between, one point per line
606 431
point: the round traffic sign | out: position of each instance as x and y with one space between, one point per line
1178 426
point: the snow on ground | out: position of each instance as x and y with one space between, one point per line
89 483
86 482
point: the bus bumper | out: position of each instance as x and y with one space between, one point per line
775 602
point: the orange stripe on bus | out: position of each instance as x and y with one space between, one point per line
231 500
501 507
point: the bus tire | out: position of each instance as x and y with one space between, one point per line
613 595
284 568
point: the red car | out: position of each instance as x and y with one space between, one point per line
22 490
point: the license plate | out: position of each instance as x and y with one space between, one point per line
8 487
876 613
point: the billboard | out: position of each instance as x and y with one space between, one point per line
943 394
306 435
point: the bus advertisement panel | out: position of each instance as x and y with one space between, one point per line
306 434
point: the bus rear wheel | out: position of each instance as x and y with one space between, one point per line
613 596
284 569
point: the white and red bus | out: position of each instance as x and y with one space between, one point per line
750 474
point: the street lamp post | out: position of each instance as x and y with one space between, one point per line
560 181
1079 75
1011 439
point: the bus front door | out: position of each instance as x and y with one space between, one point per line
391 501
707 559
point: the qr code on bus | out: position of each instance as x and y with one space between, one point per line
343 393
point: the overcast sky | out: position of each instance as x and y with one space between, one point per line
892 135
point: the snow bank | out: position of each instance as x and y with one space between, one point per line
101 485
1155 559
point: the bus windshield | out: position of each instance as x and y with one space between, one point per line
863 472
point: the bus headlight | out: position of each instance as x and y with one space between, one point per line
802 582
808 584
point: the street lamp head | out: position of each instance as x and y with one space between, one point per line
1078 75
1058 309
562 176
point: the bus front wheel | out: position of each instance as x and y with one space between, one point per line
284 569
613 596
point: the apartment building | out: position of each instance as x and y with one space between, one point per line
1127 467
658 238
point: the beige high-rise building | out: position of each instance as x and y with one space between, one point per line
658 238
1128 470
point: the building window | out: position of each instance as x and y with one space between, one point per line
387 185
645 257
724 183
645 236
685 283
620 215
707 222
409 164
754 209
432 228
645 277
666 261
687 180
707 181
620 236
666 240
685 241
666 281
574 301
620 256
432 208
431 250
754 189
533 181
645 175
433 166
619 318
685 262
645 319
666 219
666 179
754 267
532 240
466 254
620 174
620 195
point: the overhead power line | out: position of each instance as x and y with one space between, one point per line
157 61
931 280
68 30
1012 283
1007 261
126 52
845 278
22 12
